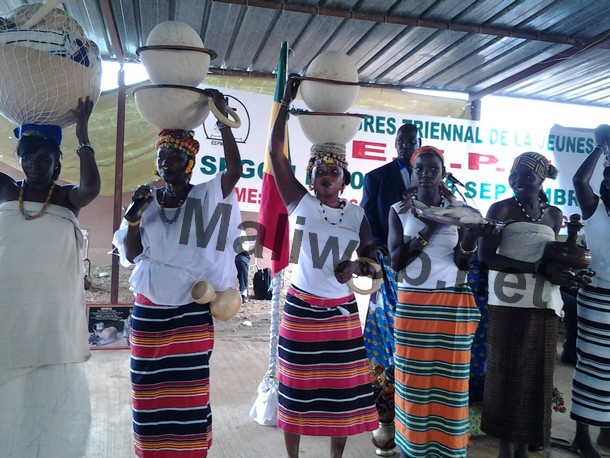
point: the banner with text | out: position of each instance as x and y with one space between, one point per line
479 154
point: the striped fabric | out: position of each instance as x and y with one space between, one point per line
325 385
591 386
433 330
170 352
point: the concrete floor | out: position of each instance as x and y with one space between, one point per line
237 367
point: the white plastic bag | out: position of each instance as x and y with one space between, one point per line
264 410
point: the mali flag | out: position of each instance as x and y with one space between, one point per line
273 217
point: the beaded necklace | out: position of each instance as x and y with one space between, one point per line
28 216
342 206
533 220
162 214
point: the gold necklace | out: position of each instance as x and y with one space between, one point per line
28 216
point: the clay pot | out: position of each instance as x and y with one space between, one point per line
567 253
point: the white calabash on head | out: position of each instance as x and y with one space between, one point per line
186 67
174 33
333 129
329 97
172 107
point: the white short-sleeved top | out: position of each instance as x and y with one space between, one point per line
199 245
597 228
318 246
435 267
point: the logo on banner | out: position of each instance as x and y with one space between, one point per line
241 134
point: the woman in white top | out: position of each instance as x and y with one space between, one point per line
325 386
523 306
436 317
591 387
182 233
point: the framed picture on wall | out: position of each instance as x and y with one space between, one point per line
109 326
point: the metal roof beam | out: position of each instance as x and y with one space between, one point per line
408 21
595 42
113 31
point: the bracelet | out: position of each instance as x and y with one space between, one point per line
220 125
83 145
377 278
283 103
467 252
134 223
422 241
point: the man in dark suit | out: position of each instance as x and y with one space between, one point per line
385 185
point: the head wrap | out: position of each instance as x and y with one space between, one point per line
178 139
182 141
427 149
537 163
50 133
327 153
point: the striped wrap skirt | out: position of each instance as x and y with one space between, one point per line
591 385
325 384
170 352
521 353
433 331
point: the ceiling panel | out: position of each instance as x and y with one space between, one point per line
504 47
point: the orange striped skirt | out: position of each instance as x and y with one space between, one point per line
433 331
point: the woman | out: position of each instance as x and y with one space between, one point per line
183 233
522 311
436 317
591 391
325 387
44 396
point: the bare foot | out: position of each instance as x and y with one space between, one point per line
584 448
603 440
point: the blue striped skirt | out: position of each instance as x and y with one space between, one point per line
591 385
170 352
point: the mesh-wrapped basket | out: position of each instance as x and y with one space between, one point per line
45 67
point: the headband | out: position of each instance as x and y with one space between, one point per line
327 153
178 139
50 133
427 149
537 163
